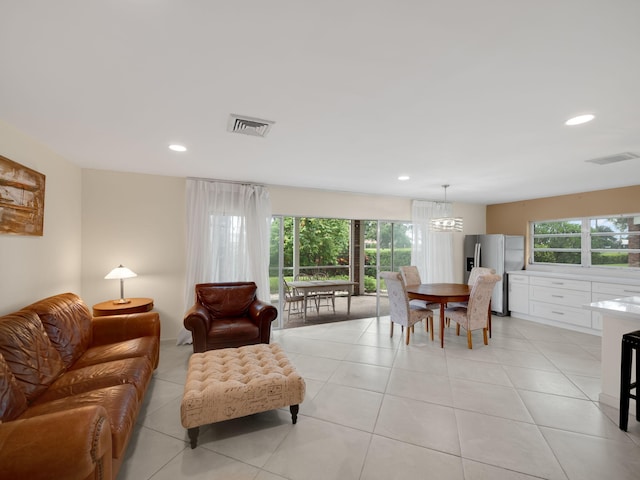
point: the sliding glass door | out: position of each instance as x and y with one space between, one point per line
355 250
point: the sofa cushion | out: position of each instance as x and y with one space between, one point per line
226 300
121 403
67 321
12 400
134 371
31 357
138 347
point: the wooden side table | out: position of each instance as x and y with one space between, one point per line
136 305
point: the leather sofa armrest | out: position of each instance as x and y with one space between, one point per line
262 314
198 322
117 328
71 444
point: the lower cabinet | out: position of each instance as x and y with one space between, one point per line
560 301
518 293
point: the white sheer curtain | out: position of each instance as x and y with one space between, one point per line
228 228
432 252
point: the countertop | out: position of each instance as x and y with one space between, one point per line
627 279
628 307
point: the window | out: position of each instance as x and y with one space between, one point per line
595 241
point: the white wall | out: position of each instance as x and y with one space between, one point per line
32 267
321 203
298 202
139 221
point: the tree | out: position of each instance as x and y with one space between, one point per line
399 233
323 241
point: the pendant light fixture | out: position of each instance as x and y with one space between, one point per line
446 224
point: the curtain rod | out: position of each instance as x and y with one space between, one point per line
227 181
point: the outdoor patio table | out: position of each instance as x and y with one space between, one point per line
311 286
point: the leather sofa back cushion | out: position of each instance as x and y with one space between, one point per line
67 321
26 349
226 300
12 400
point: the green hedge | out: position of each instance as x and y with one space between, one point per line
401 256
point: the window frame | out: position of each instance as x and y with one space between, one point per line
585 249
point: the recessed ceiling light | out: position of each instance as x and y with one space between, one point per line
177 148
580 119
403 178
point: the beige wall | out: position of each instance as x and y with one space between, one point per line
139 221
512 218
32 268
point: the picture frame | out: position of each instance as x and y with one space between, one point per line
21 199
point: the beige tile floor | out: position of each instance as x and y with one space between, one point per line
524 407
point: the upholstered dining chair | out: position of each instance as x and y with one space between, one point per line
473 276
411 276
400 311
474 315
228 315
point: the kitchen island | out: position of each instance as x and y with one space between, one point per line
619 316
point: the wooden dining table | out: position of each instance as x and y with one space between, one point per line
441 293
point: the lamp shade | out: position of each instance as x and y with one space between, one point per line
120 272
446 224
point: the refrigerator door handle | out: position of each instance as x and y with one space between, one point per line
476 256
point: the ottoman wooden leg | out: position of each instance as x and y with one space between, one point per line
294 413
193 436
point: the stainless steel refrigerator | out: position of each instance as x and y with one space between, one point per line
503 253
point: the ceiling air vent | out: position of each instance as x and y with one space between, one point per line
248 125
618 157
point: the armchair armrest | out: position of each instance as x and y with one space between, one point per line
72 444
117 328
198 322
263 313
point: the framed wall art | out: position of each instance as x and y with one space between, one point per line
21 199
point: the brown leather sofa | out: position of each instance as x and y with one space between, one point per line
71 387
228 315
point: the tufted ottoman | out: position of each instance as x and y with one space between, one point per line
234 382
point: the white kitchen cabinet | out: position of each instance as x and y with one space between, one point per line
560 300
518 293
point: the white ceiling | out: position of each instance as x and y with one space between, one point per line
462 92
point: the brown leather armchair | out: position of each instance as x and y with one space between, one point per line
228 315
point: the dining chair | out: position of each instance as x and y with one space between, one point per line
324 298
292 300
411 276
312 301
400 311
473 276
474 315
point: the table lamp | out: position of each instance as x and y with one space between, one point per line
120 273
